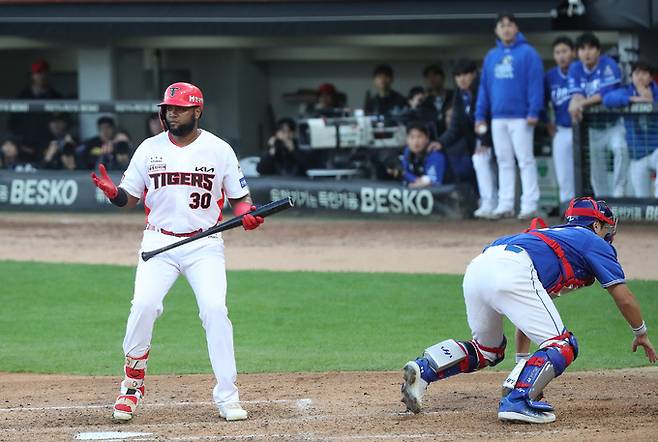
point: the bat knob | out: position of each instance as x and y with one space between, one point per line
146 256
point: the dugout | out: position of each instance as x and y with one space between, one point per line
247 55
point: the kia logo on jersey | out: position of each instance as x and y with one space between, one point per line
204 169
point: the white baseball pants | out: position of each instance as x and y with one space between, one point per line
601 141
513 138
202 263
485 174
563 161
641 175
502 283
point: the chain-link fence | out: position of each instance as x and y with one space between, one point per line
616 152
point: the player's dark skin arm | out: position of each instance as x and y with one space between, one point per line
630 309
245 199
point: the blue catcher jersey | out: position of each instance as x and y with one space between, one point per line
557 90
589 255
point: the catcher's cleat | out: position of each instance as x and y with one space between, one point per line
232 411
413 388
518 410
126 405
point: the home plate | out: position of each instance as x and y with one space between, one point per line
105 435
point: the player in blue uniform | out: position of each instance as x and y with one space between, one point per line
591 78
516 277
556 86
641 131
421 167
511 92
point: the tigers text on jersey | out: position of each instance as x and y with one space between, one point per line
183 188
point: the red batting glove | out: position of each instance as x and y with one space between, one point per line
249 222
105 183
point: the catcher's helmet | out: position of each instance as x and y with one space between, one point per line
180 94
584 211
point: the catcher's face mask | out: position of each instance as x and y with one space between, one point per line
585 211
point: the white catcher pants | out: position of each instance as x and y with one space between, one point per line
501 283
563 161
641 175
611 138
202 263
513 138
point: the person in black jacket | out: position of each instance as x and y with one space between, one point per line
462 145
283 156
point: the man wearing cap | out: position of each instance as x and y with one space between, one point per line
641 129
32 128
517 276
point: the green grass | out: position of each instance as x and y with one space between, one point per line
64 318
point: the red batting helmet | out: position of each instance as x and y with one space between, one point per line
180 94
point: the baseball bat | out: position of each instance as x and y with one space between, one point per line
266 210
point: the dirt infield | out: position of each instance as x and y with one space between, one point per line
297 243
614 405
610 406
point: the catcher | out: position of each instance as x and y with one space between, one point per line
516 276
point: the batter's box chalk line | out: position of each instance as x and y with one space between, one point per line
110 435
301 404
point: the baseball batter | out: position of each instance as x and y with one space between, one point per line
516 276
183 176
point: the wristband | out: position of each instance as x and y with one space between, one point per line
121 199
641 330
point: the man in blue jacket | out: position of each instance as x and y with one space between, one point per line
557 96
421 167
641 132
591 78
512 93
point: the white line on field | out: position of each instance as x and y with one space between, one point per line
302 404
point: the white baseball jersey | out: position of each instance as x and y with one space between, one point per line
183 188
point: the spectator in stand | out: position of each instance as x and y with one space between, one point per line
10 157
119 158
458 142
556 87
591 78
438 97
416 110
60 156
153 125
386 101
59 136
31 129
512 92
641 129
89 151
421 167
283 156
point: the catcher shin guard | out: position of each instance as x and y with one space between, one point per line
132 387
550 361
450 357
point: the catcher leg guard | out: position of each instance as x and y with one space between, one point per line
442 360
550 361
132 388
